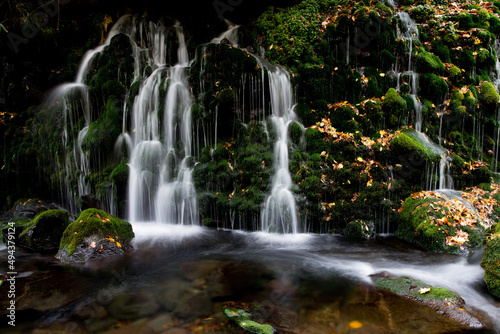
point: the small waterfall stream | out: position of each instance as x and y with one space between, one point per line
408 31
280 213
160 183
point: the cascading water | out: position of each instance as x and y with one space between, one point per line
72 100
160 181
408 31
280 213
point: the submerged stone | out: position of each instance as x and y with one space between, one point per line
455 315
94 234
243 319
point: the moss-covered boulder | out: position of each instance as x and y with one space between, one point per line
436 222
359 230
451 308
429 63
94 234
262 319
243 319
45 231
491 260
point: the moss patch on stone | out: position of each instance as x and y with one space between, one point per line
94 222
242 319
408 287
44 231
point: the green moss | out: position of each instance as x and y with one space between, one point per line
295 133
394 108
102 133
491 260
406 145
485 60
359 230
433 87
489 94
314 141
242 319
428 62
94 222
61 215
405 286
455 75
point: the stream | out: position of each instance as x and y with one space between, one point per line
178 276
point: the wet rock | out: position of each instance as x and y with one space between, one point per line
45 231
160 323
402 304
27 210
193 306
90 201
132 329
172 293
266 318
95 234
46 291
176 331
134 306
491 260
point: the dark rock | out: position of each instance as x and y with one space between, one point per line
90 201
195 305
173 293
45 231
134 306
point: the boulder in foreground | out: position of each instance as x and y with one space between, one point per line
93 235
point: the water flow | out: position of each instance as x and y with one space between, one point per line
408 31
496 84
279 213
161 188
71 102
231 34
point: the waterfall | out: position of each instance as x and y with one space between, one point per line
496 84
231 34
71 102
161 164
279 213
408 31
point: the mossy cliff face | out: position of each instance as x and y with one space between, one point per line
350 73
94 234
491 260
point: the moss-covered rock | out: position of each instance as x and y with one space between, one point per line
394 108
489 95
359 230
411 288
94 234
491 260
428 62
45 231
243 319
435 222
433 87
444 303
